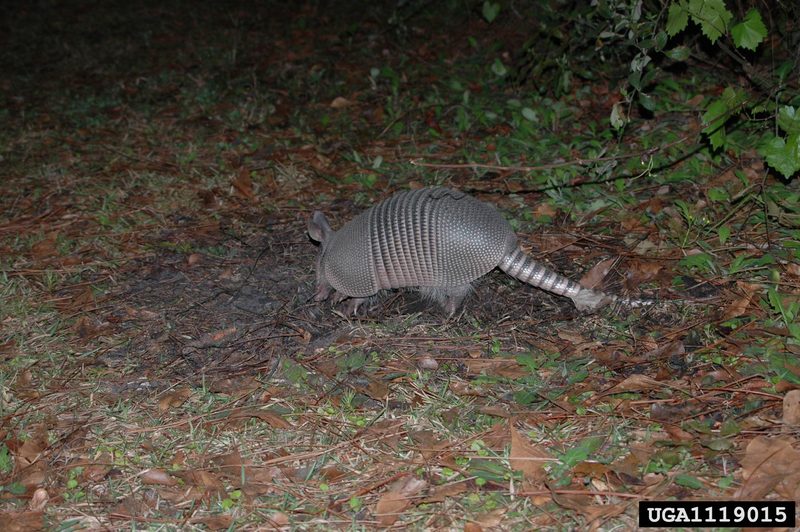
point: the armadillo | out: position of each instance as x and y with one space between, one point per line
436 239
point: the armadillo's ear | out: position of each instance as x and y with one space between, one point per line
318 227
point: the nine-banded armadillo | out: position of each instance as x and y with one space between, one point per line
437 239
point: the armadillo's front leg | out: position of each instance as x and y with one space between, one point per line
323 292
351 307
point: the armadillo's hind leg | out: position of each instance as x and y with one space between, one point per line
449 298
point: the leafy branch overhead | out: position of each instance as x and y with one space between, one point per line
736 106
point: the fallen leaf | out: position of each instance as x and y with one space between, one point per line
464 389
157 477
397 498
21 521
739 306
499 367
98 469
376 389
173 399
440 493
271 418
8 350
490 519
204 485
243 184
39 500
214 522
340 103
527 458
635 383
428 363
770 464
791 409
278 519
641 271
544 209
590 469
595 276
219 335
47 247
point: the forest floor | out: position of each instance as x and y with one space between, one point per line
162 363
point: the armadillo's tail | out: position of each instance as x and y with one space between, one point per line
521 266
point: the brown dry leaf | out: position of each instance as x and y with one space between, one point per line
21 521
243 184
214 522
173 399
8 350
677 434
571 336
23 380
157 477
221 335
142 314
499 367
635 383
376 389
770 464
669 349
472 527
98 468
208 198
87 328
75 299
791 409
229 462
132 506
33 476
47 247
440 493
491 519
739 306
497 437
463 389
233 386
332 473
642 271
627 466
179 458
526 457
204 484
494 410
428 444
31 449
427 363
398 498
544 209
278 520
273 419
583 505
340 103
387 431
594 277
590 469
39 500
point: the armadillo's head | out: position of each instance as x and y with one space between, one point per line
320 231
